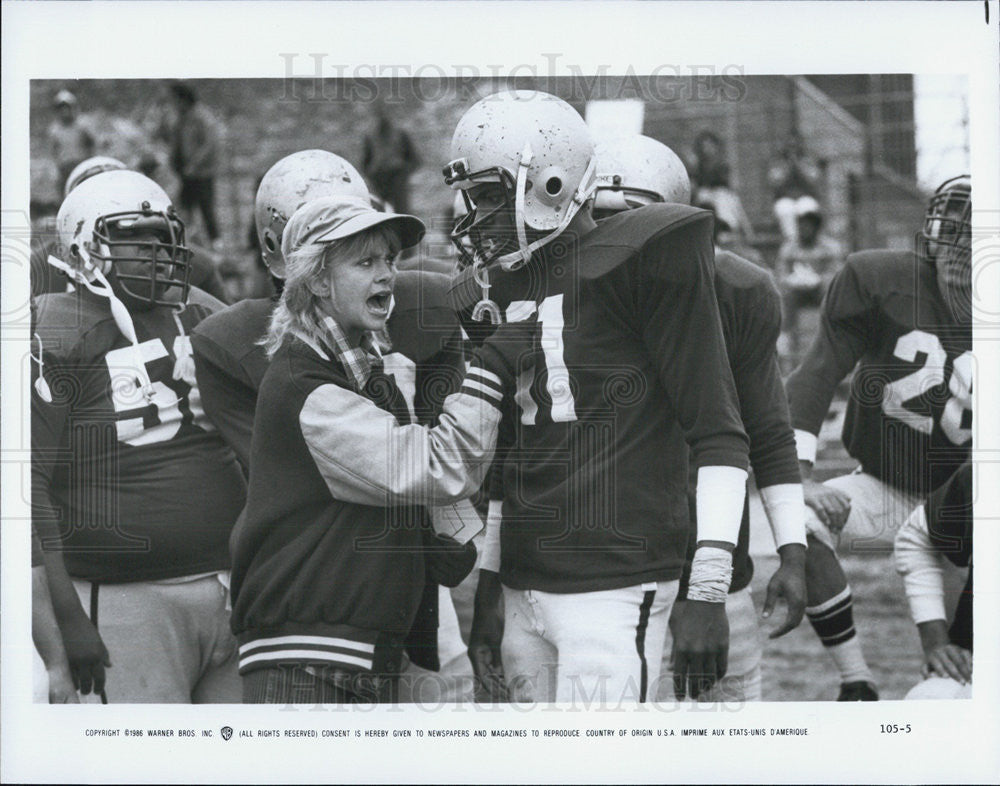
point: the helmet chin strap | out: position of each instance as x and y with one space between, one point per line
99 285
519 258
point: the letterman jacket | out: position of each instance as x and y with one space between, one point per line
327 559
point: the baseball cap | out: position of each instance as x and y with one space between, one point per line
806 205
64 97
332 218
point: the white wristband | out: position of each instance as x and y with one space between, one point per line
786 512
711 575
720 495
805 446
491 540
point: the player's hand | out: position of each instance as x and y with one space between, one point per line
61 687
831 505
950 660
701 647
87 655
789 584
485 639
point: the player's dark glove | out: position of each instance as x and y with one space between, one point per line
86 653
485 639
701 647
448 561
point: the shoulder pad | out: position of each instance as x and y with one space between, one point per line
422 319
238 325
620 236
63 318
881 272
199 297
421 289
742 273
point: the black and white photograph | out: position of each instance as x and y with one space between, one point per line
462 396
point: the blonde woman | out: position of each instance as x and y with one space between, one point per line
328 565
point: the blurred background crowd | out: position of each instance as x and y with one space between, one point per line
799 171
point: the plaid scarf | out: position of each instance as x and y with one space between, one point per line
359 361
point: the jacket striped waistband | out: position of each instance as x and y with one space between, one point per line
273 651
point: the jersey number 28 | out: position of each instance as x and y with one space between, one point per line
931 374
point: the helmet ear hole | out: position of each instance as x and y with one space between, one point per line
553 186
270 241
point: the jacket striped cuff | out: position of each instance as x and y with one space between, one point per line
483 384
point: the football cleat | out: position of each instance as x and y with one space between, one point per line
857 691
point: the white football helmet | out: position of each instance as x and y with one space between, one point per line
636 170
108 219
538 148
90 167
296 179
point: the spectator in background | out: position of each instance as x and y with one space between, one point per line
388 161
710 174
793 175
194 156
725 239
69 136
805 265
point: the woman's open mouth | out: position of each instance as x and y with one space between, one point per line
380 303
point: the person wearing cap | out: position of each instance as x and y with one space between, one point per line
329 557
71 140
426 361
806 263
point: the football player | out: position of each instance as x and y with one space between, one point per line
628 364
937 530
635 171
902 322
426 358
203 274
133 491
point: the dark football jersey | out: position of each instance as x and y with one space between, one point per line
909 417
230 364
425 359
137 490
949 523
628 366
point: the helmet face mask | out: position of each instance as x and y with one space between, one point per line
146 255
946 243
486 231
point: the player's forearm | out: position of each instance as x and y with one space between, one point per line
719 498
44 626
919 563
933 634
785 507
65 602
